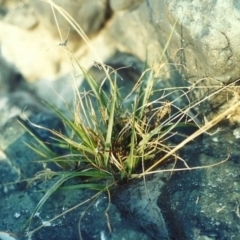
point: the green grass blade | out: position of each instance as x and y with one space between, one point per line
86 173
80 130
92 186
49 192
145 92
37 150
131 158
168 42
48 152
110 124
97 90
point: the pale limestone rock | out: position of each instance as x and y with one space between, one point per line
209 30
90 14
34 53
204 47
28 43
207 41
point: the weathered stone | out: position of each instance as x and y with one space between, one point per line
17 208
139 201
140 36
9 3
203 45
9 174
202 36
204 203
208 37
28 43
202 48
8 76
19 103
16 163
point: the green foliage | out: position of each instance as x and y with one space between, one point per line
113 138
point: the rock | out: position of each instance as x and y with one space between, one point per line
44 56
58 92
25 43
13 140
16 157
9 174
9 4
19 103
89 14
202 55
204 52
128 68
213 37
16 163
61 91
139 34
9 76
204 203
209 45
93 224
30 41
203 46
138 200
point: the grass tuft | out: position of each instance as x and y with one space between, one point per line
115 137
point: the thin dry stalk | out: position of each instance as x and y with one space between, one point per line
62 214
200 131
106 212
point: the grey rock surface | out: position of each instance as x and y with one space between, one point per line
211 35
10 174
204 203
203 36
22 16
93 224
138 200
8 76
17 159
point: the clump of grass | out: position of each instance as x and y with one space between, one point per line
117 138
